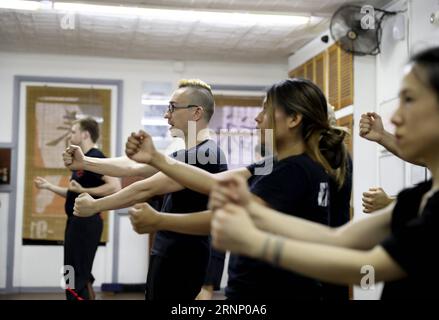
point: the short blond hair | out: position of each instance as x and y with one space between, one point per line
194 83
202 95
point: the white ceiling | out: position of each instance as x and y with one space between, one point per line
145 38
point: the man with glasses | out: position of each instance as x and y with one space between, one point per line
178 263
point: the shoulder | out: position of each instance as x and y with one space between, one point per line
95 153
209 147
416 191
300 165
209 153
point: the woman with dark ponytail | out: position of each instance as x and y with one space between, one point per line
324 142
308 155
397 245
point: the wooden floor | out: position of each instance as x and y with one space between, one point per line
61 296
99 296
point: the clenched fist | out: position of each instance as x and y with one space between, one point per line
73 158
371 127
144 218
74 186
84 206
140 147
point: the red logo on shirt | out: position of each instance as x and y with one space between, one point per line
79 173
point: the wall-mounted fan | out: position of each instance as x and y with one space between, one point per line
356 35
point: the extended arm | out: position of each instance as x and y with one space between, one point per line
331 264
74 159
111 185
42 183
233 229
146 219
137 192
372 129
362 235
192 177
118 167
141 149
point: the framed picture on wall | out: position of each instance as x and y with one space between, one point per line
50 111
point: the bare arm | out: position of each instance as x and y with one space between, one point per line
61 191
192 177
388 141
74 159
372 129
362 235
197 223
118 167
233 229
141 148
146 219
331 264
41 183
137 192
111 185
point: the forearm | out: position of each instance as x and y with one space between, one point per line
362 235
124 198
103 190
388 141
292 227
197 223
118 167
330 264
61 191
187 175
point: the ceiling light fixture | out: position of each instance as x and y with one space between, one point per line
186 15
214 17
20 5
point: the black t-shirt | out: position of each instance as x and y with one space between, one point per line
341 199
297 186
413 243
215 269
209 157
86 179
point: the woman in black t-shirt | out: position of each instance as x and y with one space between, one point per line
397 245
308 155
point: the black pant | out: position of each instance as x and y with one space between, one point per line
82 236
335 292
175 277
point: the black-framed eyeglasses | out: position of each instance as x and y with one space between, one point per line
172 107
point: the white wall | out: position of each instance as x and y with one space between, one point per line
4 210
377 81
30 268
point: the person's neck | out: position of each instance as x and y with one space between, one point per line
86 146
433 166
202 134
290 149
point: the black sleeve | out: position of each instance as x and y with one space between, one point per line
215 269
95 153
414 246
341 199
283 188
